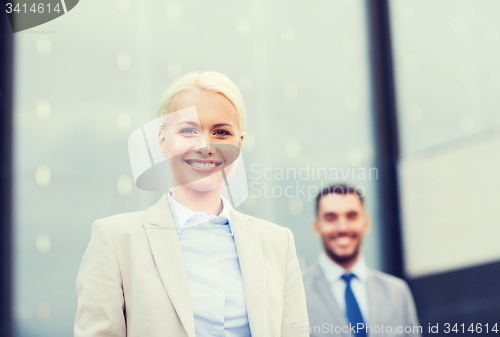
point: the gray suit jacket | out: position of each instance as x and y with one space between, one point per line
390 300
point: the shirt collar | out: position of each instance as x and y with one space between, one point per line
184 217
333 272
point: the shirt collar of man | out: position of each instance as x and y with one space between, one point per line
184 217
333 272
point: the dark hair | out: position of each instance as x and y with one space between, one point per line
340 189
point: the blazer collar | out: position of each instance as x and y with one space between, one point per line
375 298
333 271
322 287
247 240
166 250
324 292
184 217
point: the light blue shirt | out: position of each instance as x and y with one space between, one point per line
213 271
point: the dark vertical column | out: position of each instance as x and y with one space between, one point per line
6 70
386 135
466 296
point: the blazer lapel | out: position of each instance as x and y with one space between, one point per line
246 238
324 292
374 298
166 250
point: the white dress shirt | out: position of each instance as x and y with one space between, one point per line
213 271
333 273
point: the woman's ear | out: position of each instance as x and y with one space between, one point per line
240 142
162 146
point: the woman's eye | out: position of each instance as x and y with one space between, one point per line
222 133
188 131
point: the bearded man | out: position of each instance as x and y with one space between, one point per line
344 297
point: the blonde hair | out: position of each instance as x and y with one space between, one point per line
210 81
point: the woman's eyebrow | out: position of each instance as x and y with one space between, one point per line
190 123
221 124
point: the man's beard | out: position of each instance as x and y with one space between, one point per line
340 259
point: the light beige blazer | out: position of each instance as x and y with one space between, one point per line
132 280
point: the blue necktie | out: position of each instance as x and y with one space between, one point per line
352 307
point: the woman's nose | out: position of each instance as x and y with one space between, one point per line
205 148
210 149
201 142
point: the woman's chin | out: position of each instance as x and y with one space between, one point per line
207 184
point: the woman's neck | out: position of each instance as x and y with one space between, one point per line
208 202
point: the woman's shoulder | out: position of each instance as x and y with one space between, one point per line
120 223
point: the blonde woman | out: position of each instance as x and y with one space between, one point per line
191 265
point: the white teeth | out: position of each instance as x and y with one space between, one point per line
344 240
201 166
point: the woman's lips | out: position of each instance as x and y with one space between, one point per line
202 166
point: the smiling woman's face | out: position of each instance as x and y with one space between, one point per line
200 143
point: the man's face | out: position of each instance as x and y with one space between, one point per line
341 223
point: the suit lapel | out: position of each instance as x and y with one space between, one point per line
166 250
246 238
324 292
374 298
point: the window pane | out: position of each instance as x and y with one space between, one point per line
448 96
